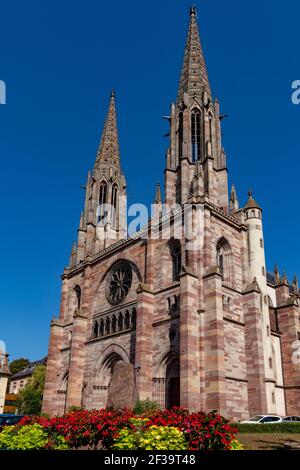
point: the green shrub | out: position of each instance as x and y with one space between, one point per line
30 437
139 437
75 408
236 445
23 438
269 428
145 407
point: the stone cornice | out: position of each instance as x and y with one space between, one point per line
235 322
185 270
253 287
56 322
291 302
212 271
144 288
204 200
80 314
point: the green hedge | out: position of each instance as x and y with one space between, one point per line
269 428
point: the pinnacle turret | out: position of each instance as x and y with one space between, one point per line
251 204
233 203
194 78
158 198
295 284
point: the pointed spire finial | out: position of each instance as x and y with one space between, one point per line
193 11
194 78
108 151
250 193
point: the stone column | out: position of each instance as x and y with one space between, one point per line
144 342
50 402
76 365
189 341
214 342
289 326
209 179
257 398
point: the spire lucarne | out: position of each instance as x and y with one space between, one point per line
194 78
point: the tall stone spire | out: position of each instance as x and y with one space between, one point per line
194 78
195 133
108 151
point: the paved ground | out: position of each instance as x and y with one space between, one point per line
267 441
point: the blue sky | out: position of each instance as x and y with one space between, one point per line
60 60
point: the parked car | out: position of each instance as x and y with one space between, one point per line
263 419
293 419
9 419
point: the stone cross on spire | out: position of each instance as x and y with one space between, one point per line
108 151
194 78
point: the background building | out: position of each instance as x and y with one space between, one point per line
4 376
21 378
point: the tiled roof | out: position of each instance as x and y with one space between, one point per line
28 371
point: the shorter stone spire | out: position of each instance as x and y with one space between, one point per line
158 198
295 284
233 203
284 279
73 255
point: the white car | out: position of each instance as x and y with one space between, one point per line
263 419
291 419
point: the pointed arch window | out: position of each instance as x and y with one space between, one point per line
224 260
180 135
102 200
175 251
196 135
78 296
114 196
210 127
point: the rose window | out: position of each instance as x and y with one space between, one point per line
119 283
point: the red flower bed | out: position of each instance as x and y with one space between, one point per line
202 431
88 428
85 428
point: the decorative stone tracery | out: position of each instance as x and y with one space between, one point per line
119 282
114 322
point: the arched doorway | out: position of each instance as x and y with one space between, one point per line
103 371
173 384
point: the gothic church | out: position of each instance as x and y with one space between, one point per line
206 328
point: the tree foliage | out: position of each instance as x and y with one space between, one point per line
18 364
31 397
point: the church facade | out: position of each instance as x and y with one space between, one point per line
203 323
